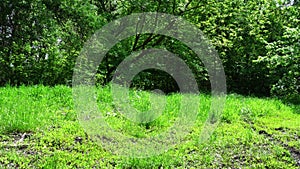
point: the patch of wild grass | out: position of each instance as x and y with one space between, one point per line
253 132
29 108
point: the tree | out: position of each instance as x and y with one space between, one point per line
42 38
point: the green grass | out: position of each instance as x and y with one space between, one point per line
39 129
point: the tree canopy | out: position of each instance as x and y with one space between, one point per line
258 42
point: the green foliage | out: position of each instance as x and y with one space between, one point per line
242 32
257 42
283 56
41 39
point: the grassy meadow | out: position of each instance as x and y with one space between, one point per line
39 129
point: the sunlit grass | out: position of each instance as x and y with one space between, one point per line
30 108
253 132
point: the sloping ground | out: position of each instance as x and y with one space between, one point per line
43 133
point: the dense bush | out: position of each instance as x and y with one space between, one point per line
258 42
283 56
41 39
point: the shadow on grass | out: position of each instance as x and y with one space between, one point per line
294 102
